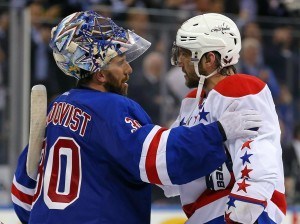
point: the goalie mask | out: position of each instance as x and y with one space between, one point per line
88 41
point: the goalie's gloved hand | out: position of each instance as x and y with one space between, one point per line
239 124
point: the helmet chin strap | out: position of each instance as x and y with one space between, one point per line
200 86
201 80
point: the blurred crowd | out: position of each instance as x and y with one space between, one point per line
270 51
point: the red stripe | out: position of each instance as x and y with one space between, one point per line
251 200
191 94
207 197
151 158
279 200
26 198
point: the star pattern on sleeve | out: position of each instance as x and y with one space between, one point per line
243 185
203 114
230 203
245 158
246 144
245 172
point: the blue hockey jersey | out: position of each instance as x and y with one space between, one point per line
100 153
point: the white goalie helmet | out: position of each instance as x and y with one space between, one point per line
206 33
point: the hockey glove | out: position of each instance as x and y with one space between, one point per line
240 124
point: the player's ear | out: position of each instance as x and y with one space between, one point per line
100 76
210 57
210 60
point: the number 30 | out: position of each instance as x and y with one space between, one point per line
69 192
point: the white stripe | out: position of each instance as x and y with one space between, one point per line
274 212
23 189
209 212
191 191
161 160
145 149
20 203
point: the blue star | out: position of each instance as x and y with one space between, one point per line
245 158
182 123
230 203
203 115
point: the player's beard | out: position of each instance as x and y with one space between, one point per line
113 85
192 79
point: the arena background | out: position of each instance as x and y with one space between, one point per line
270 33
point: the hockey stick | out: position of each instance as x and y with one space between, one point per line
38 112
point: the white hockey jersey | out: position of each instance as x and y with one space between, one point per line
256 192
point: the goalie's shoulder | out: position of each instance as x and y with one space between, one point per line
239 85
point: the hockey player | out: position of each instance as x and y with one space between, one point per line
206 48
101 149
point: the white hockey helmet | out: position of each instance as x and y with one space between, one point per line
206 33
88 41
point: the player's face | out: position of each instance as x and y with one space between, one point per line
117 74
184 61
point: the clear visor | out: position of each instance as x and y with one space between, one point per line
135 46
174 54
